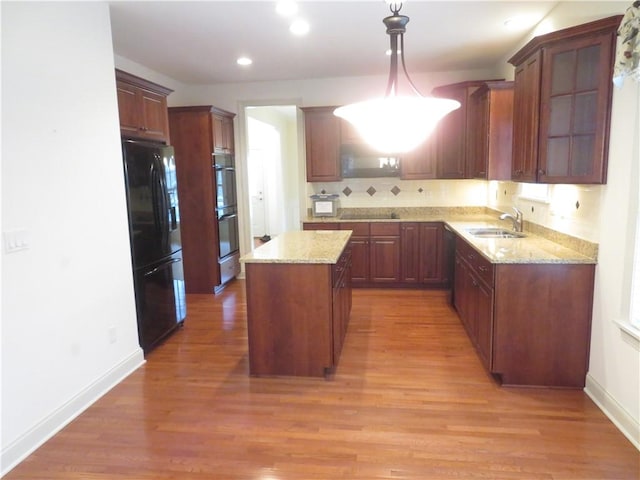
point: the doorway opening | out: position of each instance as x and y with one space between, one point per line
272 171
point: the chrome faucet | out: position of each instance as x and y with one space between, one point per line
516 220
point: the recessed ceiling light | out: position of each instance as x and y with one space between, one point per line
287 8
244 61
299 27
521 22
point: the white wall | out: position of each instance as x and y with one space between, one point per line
326 91
614 373
62 182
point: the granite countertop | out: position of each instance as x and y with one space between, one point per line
321 246
530 249
540 245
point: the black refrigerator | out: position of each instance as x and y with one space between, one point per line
154 232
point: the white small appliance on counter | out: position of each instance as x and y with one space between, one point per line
325 204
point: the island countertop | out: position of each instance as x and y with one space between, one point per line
321 246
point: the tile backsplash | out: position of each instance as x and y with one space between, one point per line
570 209
393 192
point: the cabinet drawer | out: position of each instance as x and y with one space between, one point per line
484 268
466 251
341 266
229 267
480 265
360 229
320 226
385 229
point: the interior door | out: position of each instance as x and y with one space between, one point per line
257 194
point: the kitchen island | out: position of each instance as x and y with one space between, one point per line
298 302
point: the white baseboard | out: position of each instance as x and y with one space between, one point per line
612 409
27 443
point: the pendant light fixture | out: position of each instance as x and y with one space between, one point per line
396 123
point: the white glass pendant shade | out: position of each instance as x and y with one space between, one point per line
396 124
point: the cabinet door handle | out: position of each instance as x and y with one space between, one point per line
471 256
541 172
482 268
474 283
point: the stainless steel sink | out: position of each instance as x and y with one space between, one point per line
490 232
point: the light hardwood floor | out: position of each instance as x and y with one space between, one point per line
409 400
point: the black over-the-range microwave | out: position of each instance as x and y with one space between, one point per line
359 161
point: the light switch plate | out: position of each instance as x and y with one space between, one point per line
16 240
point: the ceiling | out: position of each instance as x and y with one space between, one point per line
199 42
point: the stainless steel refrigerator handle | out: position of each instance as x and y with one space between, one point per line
157 269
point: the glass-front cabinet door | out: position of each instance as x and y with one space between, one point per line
574 113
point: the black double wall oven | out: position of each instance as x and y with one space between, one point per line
226 203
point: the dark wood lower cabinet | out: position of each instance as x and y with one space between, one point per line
432 255
297 316
360 252
385 253
341 306
542 324
395 254
530 323
410 252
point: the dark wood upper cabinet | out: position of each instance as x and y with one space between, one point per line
322 139
490 131
222 135
348 133
451 132
420 163
142 108
526 119
562 104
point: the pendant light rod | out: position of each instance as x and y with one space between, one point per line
396 27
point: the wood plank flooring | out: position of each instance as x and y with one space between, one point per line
409 400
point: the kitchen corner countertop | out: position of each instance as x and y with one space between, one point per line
318 246
530 249
538 246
